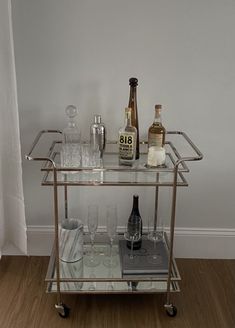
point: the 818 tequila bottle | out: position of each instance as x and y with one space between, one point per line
127 141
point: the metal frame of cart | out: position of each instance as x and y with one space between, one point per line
51 178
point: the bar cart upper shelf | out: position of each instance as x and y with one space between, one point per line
110 173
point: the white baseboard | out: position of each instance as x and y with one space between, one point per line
10 249
188 243
204 243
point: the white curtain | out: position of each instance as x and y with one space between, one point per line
12 212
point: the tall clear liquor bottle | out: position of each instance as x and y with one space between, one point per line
156 132
127 141
133 82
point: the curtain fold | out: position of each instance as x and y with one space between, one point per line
13 230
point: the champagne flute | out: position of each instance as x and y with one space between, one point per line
111 224
92 221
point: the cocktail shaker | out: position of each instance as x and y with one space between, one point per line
98 134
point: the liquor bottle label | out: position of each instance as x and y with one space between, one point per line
126 145
156 140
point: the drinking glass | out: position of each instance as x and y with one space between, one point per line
92 222
155 234
90 155
70 156
133 234
111 224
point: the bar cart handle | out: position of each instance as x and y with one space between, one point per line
35 143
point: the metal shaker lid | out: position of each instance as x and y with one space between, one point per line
97 119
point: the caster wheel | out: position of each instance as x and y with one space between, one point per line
63 310
171 311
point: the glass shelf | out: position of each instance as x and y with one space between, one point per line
79 278
110 173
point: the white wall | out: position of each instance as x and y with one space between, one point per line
182 52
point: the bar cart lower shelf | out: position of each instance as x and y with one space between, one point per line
78 277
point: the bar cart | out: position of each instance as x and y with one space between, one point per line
76 278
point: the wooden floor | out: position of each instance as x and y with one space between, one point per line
207 299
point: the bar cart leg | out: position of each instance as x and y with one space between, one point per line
61 308
66 198
171 310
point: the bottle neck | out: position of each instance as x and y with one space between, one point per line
71 123
128 119
157 118
132 98
135 206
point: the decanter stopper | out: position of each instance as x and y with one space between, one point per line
71 111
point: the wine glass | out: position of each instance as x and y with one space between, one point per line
111 224
155 234
133 234
92 221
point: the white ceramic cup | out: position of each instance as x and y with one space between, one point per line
71 240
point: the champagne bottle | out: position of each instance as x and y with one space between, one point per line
156 132
134 220
127 141
133 82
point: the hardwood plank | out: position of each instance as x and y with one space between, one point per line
206 300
